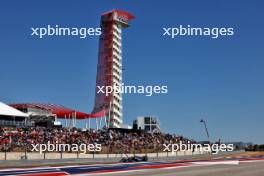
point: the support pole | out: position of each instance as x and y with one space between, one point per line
97 124
74 119
109 113
75 114
105 121
65 121
89 123
100 123
69 121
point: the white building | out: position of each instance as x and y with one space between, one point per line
147 123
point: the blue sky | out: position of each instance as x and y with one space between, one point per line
220 80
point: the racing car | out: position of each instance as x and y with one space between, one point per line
134 159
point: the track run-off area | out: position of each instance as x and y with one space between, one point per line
170 167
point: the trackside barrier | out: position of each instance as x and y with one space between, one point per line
64 155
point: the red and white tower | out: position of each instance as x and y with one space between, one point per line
109 67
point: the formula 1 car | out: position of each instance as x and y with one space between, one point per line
134 159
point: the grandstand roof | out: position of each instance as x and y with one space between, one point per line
6 110
59 110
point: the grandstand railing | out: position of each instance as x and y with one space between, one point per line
15 123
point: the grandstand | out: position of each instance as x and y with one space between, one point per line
14 139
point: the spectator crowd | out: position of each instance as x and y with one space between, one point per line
112 141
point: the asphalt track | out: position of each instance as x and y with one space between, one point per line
223 166
243 169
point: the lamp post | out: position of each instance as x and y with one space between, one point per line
206 130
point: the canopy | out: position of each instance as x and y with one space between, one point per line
6 110
60 111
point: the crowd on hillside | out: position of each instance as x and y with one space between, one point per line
254 148
112 141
